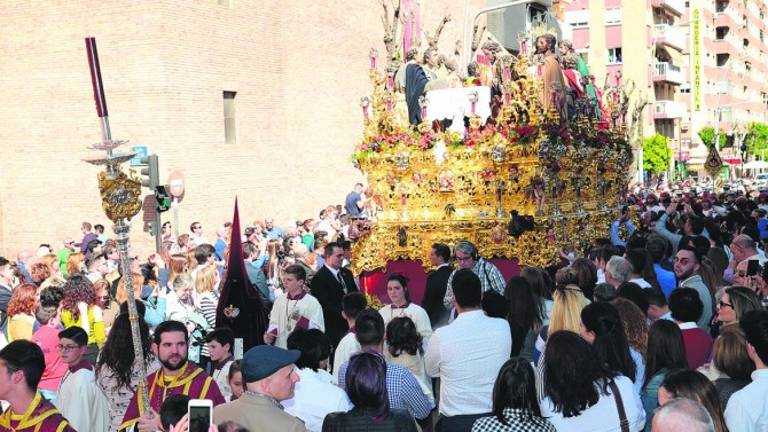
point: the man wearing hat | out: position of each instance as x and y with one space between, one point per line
270 376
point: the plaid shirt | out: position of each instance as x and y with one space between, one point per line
518 420
490 279
403 388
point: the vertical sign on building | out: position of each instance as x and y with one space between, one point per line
696 63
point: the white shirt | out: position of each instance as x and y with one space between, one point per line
747 409
642 283
467 355
347 346
602 416
314 397
286 314
82 402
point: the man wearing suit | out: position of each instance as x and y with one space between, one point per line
6 286
328 286
437 281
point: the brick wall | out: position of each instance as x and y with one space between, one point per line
298 67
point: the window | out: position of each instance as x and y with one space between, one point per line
722 59
577 18
613 16
748 66
721 33
614 55
226 3
230 136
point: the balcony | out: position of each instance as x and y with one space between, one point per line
668 35
724 88
676 7
667 72
667 110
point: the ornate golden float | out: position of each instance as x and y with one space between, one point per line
523 185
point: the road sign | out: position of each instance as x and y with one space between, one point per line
141 152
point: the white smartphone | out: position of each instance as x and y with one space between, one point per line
200 412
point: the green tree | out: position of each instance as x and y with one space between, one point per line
656 154
707 136
757 138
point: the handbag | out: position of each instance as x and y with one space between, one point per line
623 422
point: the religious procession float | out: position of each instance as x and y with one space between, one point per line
522 154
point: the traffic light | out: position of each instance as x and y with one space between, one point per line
150 174
163 198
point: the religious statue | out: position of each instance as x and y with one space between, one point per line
550 73
587 83
573 89
486 60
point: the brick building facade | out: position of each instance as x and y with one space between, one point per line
298 70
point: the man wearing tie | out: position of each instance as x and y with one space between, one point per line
328 286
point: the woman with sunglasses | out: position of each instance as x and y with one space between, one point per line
734 303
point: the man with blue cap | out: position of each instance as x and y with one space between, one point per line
270 376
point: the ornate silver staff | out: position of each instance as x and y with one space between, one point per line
121 200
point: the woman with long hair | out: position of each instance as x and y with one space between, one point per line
734 303
693 385
21 312
666 352
635 325
75 263
206 299
400 305
177 265
731 361
366 385
79 308
568 301
586 275
580 393
541 284
601 326
117 370
525 316
515 407
404 348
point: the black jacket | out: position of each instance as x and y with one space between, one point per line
329 292
362 420
437 282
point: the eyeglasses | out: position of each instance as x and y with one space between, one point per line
458 258
723 304
65 348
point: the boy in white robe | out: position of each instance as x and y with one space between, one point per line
80 399
220 343
351 305
297 308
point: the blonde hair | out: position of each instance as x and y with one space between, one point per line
182 280
566 309
121 295
205 280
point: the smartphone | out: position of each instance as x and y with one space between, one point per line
200 414
753 267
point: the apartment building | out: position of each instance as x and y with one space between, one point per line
640 42
699 63
728 58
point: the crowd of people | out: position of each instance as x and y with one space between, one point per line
661 325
